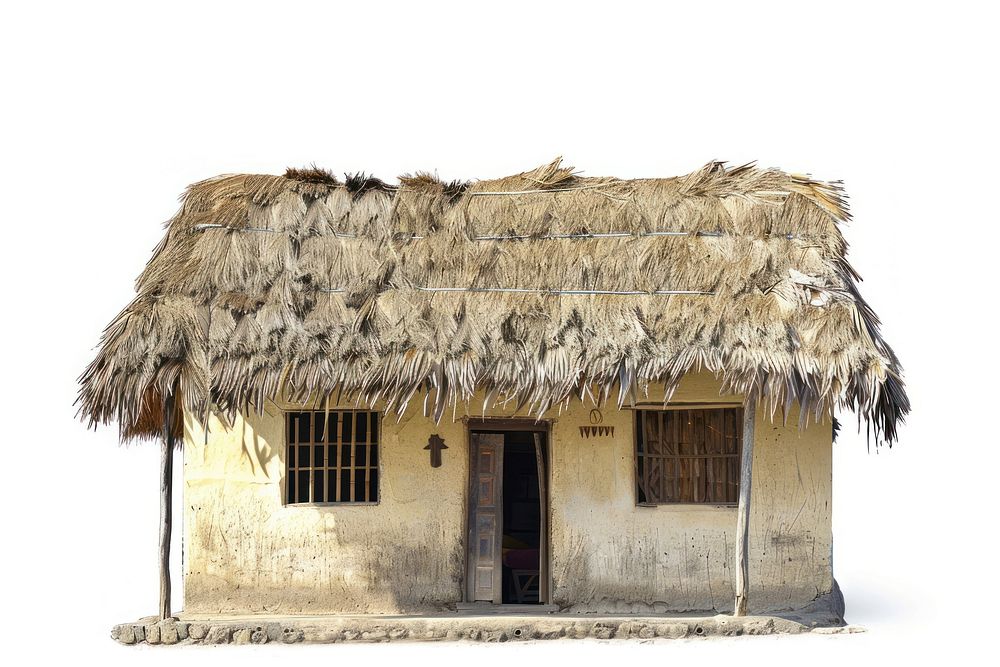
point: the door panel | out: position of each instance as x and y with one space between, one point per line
543 528
485 517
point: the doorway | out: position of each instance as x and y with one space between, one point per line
508 513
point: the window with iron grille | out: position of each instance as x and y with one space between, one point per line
688 455
332 457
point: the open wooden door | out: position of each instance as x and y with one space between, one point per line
543 530
485 518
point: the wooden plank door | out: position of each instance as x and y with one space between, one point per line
543 523
485 573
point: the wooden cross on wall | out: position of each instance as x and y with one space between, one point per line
436 444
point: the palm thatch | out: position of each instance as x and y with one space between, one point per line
536 288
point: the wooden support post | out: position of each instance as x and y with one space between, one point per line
743 511
166 499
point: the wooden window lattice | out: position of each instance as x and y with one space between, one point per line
688 455
332 457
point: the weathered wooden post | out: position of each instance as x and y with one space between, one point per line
166 499
743 510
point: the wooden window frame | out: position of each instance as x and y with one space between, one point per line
735 457
336 467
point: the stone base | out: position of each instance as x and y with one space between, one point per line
494 628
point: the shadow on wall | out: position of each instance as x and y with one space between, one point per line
262 455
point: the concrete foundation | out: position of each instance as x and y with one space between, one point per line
453 627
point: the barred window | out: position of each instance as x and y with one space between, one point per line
688 455
332 457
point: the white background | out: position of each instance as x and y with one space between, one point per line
109 111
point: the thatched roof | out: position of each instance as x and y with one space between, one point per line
536 288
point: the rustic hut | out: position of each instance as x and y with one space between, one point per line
587 394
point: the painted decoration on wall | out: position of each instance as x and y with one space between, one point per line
435 444
596 428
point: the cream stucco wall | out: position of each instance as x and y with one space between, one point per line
246 552
610 555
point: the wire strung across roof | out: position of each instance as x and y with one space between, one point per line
553 292
510 237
